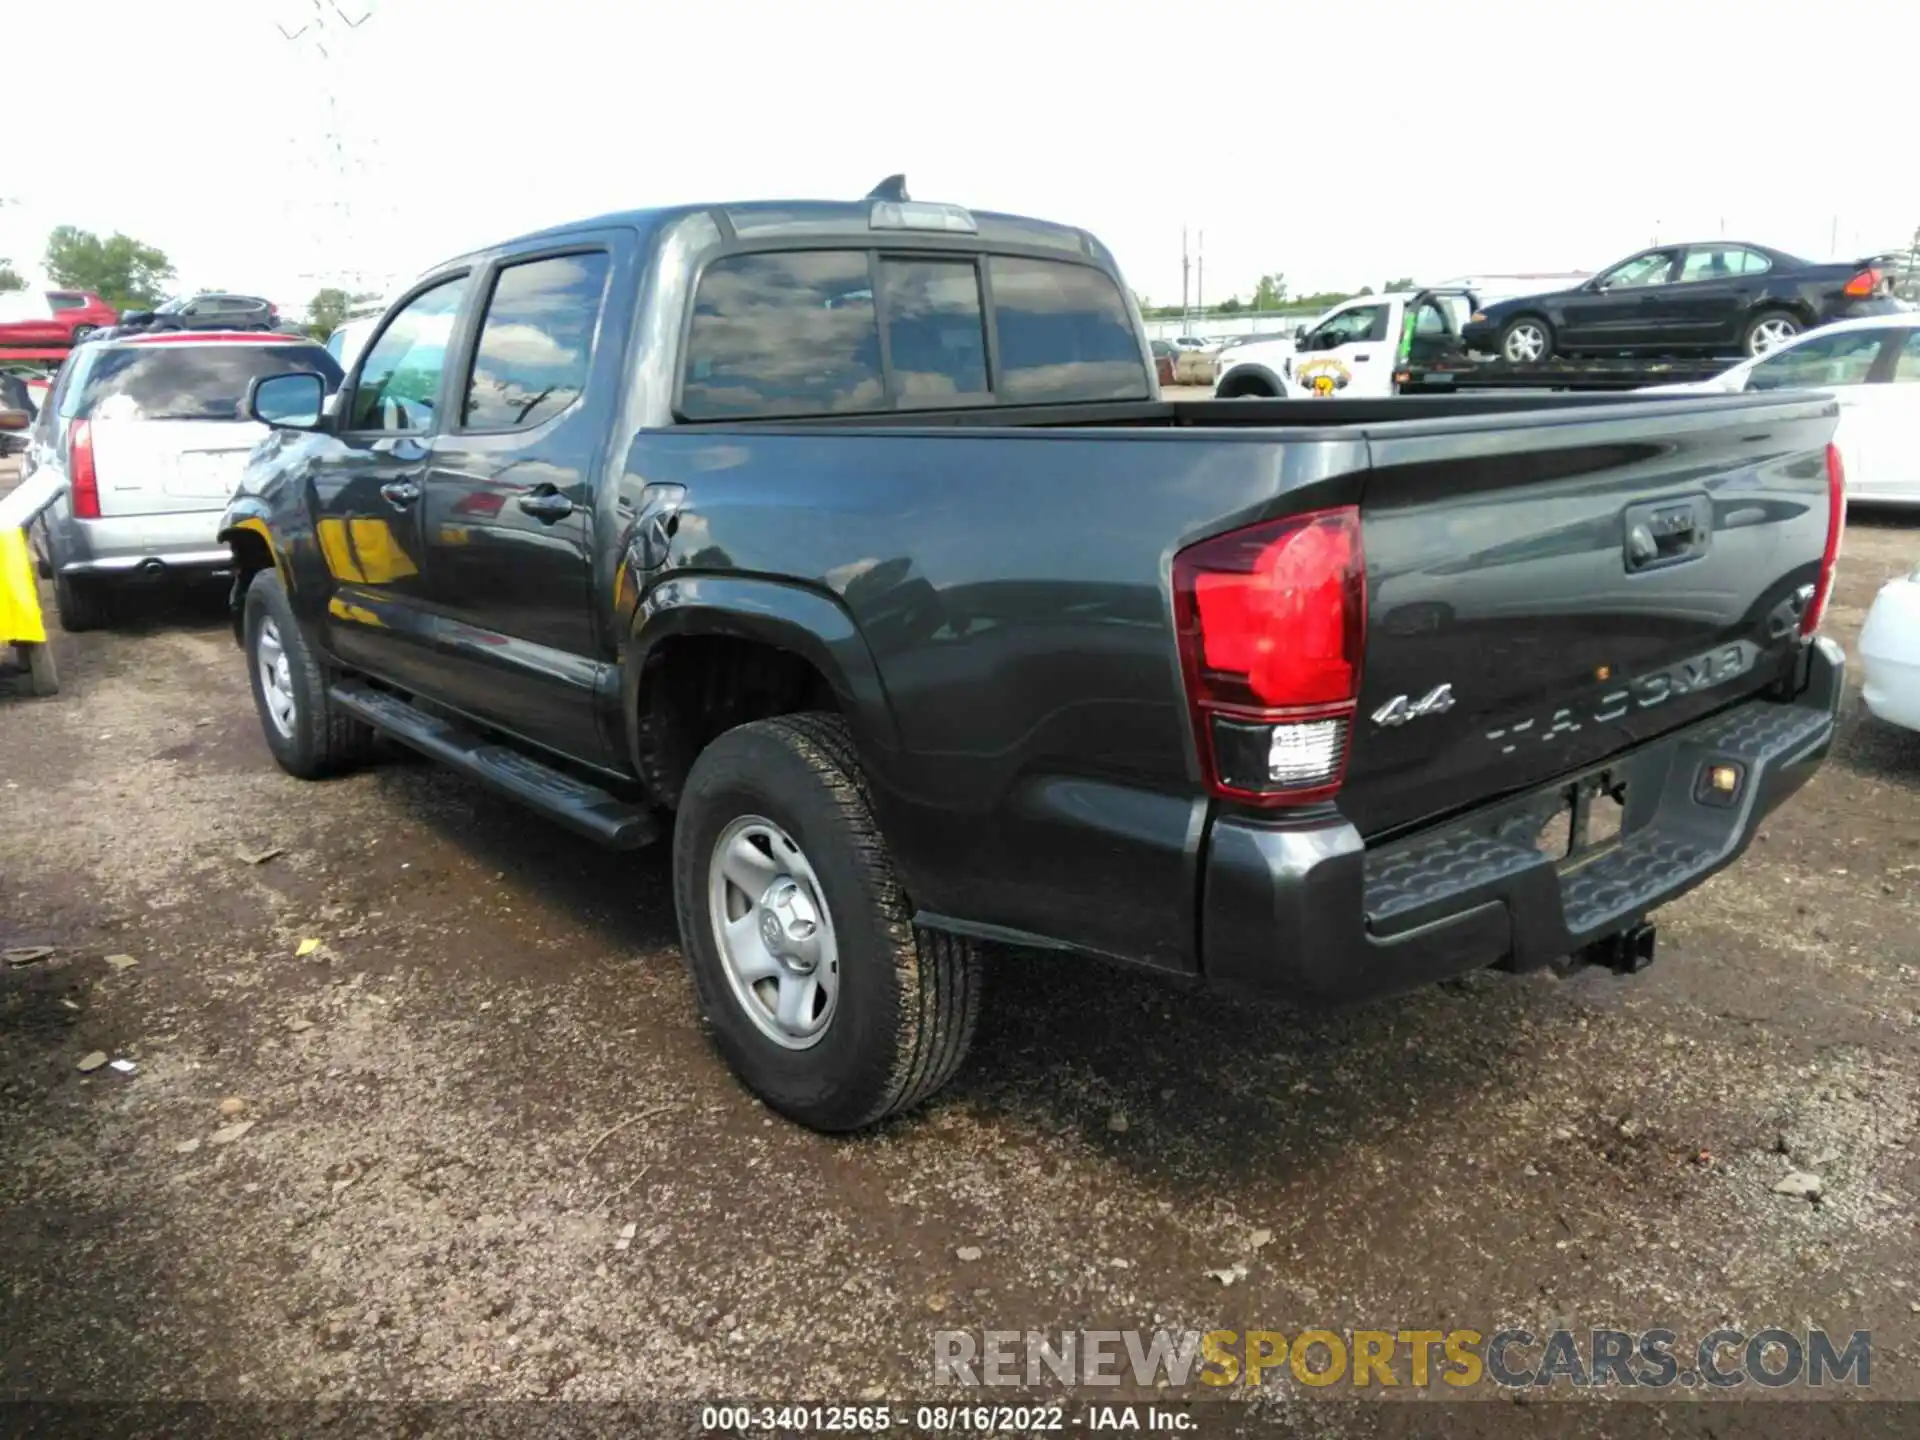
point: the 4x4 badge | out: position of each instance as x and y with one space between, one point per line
1400 709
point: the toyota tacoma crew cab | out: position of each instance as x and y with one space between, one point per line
852 547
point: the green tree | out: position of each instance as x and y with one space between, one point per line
122 271
1230 306
10 278
1271 292
1326 299
1405 282
329 308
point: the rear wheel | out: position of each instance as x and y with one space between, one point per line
80 601
80 332
1769 330
821 994
305 733
1526 341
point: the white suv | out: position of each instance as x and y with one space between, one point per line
149 436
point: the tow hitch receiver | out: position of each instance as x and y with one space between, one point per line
1627 952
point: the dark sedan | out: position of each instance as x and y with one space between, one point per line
1720 297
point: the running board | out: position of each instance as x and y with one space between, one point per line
583 808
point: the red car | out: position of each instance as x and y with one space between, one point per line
38 319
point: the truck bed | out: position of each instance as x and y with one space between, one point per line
1011 587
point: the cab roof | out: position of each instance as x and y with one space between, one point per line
814 219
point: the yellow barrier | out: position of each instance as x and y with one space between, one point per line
20 622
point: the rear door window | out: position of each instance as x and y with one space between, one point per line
180 382
784 334
936 340
536 341
1064 334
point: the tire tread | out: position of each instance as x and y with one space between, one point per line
940 974
334 741
936 980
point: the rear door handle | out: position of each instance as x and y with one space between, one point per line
401 493
546 503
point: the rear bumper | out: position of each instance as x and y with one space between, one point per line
127 544
1311 915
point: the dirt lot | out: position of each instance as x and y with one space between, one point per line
489 1065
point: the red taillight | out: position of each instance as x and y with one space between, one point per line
1865 283
1272 624
1836 522
84 481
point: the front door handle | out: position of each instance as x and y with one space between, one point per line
546 504
401 493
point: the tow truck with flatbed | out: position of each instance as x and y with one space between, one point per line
1411 343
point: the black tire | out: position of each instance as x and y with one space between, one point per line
81 332
1762 323
908 999
80 601
46 679
1529 323
320 741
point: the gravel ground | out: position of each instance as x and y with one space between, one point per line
401 1087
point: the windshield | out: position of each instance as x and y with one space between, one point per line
182 382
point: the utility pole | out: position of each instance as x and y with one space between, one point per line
325 33
1186 309
1200 282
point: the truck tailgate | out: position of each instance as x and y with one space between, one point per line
1547 590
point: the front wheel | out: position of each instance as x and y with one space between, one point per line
822 996
1526 341
307 736
1769 330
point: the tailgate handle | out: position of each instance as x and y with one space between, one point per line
1667 532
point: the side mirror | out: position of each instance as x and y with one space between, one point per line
1299 334
296 401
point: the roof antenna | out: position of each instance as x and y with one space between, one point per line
894 187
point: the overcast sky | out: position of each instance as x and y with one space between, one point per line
1341 144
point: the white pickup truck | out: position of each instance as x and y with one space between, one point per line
1350 351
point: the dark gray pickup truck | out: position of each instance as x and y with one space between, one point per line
853 544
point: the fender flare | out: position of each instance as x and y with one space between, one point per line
249 513
1252 368
796 618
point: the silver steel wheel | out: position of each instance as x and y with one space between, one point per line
1526 343
1771 333
276 678
774 932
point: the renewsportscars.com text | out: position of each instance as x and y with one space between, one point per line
1657 1358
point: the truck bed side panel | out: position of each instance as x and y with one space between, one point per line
1012 586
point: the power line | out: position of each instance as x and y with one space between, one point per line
325 34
